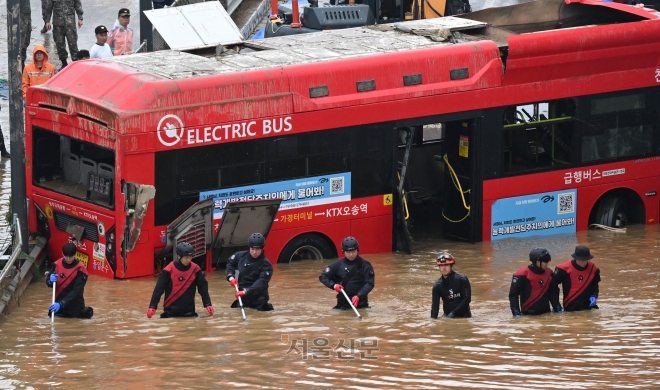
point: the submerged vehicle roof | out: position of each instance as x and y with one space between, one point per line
271 66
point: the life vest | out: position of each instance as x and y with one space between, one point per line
540 285
120 39
66 275
181 280
580 279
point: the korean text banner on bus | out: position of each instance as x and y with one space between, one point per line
309 191
534 215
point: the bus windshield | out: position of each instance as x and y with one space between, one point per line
76 168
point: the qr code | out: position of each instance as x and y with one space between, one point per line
336 185
566 204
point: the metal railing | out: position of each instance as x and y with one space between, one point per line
16 246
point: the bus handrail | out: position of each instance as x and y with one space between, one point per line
17 245
553 120
457 184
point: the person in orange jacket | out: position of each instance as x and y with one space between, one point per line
120 38
39 71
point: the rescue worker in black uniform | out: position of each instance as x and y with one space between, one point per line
579 279
532 291
351 273
70 277
178 280
254 273
453 288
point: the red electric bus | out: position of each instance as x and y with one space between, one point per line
536 128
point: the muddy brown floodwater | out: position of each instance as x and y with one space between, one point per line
305 344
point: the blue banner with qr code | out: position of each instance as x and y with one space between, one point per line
310 191
534 215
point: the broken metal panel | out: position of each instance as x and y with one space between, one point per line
195 26
137 200
544 15
241 219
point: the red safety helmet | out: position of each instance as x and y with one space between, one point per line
444 258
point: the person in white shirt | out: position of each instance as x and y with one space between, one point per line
101 49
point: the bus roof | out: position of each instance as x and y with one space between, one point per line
307 48
442 55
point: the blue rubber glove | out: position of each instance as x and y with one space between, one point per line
55 307
592 301
517 315
53 278
558 310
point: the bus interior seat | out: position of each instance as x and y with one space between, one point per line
71 167
106 170
521 144
86 166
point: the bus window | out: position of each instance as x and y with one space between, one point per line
538 136
73 167
292 168
620 127
433 132
372 159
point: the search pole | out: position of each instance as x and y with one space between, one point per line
16 119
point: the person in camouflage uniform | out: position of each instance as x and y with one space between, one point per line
26 29
64 25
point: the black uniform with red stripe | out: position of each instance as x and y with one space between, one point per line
532 291
578 284
456 295
179 282
70 287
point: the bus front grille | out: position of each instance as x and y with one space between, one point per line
62 221
196 237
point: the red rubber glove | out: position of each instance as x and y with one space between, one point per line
239 294
355 300
233 282
338 287
151 312
210 310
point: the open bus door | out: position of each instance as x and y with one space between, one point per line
194 226
239 221
459 214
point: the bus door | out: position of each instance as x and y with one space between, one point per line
194 226
460 184
239 221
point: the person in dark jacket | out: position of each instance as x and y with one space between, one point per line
254 273
532 290
178 280
352 273
70 277
579 279
453 288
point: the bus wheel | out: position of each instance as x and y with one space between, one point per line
613 212
306 247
